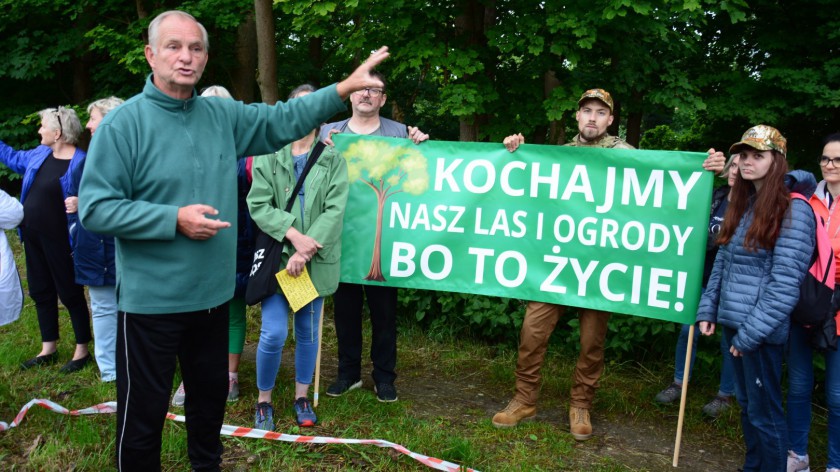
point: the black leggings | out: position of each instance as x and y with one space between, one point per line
50 274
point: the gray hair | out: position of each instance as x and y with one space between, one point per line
105 105
69 123
216 91
155 25
301 89
728 166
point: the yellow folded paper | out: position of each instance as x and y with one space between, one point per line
298 290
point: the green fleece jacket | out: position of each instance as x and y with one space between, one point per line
325 196
154 154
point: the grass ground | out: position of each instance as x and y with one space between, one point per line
448 392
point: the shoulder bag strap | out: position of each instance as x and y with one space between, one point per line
313 156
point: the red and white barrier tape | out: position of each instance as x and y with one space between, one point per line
107 407
240 432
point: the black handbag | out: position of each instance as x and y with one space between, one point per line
268 252
823 338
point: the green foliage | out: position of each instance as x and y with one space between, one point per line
448 314
120 46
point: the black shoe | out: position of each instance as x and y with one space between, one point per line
75 366
342 386
385 392
48 359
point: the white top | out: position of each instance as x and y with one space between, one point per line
11 291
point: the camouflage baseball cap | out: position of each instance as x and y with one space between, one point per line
763 138
598 94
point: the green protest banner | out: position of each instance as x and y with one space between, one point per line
611 229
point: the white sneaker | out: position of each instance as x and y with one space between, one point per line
797 463
180 396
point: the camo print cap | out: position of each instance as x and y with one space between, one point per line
763 138
598 94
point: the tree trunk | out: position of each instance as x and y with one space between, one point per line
243 79
397 113
316 58
142 12
613 128
557 131
266 57
634 128
471 27
634 119
469 129
81 78
82 88
550 82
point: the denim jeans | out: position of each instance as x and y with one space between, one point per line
727 374
273 333
800 359
758 388
103 307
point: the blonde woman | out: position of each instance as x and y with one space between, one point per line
93 257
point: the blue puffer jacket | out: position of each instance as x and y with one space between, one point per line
93 254
754 292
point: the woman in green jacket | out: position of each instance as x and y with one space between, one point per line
312 232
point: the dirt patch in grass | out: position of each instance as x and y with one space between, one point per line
467 396
636 444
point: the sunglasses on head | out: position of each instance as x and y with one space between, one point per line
58 116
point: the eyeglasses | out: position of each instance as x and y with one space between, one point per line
825 161
373 92
58 116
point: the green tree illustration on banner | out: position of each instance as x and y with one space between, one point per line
387 170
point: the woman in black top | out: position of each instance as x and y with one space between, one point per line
46 242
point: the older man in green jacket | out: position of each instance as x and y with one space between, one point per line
161 178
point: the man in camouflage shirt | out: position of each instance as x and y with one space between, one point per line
594 115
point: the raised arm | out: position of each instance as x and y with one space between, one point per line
18 161
361 78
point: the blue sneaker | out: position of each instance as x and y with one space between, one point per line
305 413
264 417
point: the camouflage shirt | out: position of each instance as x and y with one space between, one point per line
605 141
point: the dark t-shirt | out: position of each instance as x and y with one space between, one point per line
715 224
43 210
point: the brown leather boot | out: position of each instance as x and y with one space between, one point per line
579 424
513 413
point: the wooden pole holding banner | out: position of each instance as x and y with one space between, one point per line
318 357
686 375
